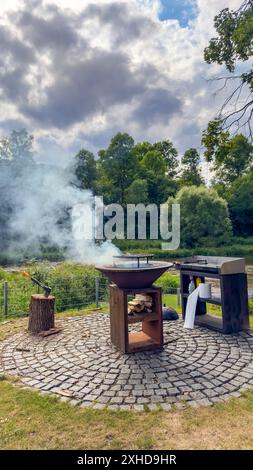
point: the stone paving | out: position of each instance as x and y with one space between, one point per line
198 367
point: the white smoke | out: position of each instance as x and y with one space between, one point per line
43 201
83 222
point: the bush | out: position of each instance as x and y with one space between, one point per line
168 281
240 201
204 217
72 284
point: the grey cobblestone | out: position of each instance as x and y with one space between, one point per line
200 367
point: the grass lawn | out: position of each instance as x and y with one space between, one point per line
29 420
32 421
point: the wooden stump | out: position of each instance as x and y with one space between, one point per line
41 313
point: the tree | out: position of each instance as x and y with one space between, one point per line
204 217
231 156
191 175
137 192
160 187
169 154
140 150
153 161
240 203
85 169
231 47
153 169
157 163
117 167
18 146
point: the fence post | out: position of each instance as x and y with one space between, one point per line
5 299
97 291
178 296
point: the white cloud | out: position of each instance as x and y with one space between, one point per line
70 70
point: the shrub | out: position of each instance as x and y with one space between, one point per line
72 284
204 217
168 281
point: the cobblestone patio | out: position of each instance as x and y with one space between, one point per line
199 366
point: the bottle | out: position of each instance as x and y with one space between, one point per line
198 281
191 286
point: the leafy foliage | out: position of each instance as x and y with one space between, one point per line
85 169
169 154
137 192
234 41
231 156
204 217
168 281
191 175
233 45
72 284
117 165
240 201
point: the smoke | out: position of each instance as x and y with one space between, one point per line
41 202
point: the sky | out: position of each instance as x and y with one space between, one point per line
76 72
181 10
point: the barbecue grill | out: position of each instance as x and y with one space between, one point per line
213 264
233 299
134 270
131 275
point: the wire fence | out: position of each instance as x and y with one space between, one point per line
73 295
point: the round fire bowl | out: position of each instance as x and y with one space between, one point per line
126 276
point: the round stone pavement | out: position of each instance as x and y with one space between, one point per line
198 367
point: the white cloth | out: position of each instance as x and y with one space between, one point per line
203 291
191 309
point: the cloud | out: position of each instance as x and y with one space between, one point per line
8 125
15 58
156 105
84 88
54 32
72 70
125 25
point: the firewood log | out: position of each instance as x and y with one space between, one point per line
41 316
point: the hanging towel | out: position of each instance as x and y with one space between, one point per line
203 291
191 309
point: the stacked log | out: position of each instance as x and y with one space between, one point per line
142 303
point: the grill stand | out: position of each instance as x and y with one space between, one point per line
233 301
151 336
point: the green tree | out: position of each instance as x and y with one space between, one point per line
166 150
204 217
169 154
157 165
240 201
117 167
140 150
85 169
137 192
231 47
160 187
153 161
231 156
191 175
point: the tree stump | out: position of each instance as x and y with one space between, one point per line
41 313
